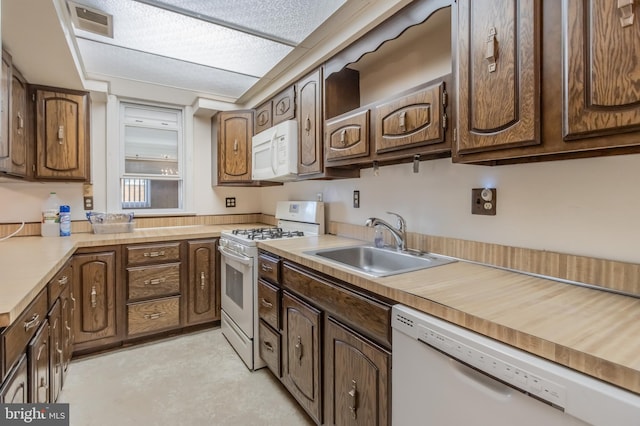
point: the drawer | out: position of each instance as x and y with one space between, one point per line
153 281
362 313
156 315
153 253
16 337
59 283
269 304
269 268
269 341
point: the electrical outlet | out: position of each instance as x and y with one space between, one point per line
483 201
88 202
356 199
230 201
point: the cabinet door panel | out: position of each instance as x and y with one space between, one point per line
94 289
263 117
16 389
5 88
61 137
56 352
498 74
309 95
348 137
412 120
301 354
602 73
20 152
357 377
203 301
284 106
39 365
234 144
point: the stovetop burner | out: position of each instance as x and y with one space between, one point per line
266 233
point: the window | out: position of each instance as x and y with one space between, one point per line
152 166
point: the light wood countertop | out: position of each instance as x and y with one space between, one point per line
27 264
592 331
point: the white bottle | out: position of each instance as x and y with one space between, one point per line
50 225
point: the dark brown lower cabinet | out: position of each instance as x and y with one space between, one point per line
38 350
357 378
203 288
301 354
55 339
16 387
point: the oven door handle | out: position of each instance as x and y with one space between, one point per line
242 259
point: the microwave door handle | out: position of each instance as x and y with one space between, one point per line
242 259
274 153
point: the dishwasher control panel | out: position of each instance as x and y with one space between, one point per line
517 377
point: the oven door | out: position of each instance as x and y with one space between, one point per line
236 274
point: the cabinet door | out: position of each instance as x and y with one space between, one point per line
284 106
263 117
235 130
309 96
357 378
5 98
203 302
62 135
56 340
39 365
348 137
601 70
67 306
94 288
16 387
301 354
21 151
412 120
498 70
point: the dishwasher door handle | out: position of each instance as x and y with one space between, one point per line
486 383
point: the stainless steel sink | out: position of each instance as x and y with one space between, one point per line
379 262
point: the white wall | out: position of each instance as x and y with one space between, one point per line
584 207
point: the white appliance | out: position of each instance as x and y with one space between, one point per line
446 375
239 272
274 153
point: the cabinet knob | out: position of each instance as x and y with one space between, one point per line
492 49
625 10
94 297
298 349
353 403
33 322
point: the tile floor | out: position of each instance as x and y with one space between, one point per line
190 380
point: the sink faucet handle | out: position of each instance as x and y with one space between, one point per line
402 224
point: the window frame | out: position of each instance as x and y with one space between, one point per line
115 148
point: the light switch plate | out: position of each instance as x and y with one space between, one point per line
356 199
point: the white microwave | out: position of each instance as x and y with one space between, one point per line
274 153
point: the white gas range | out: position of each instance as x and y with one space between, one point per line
239 272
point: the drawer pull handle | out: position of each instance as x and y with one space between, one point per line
94 297
235 146
202 281
266 303
299 349
73 300
625 8
307 124
343 137
403 118
269 346
63 280
60 134
43 391
33 322
154 281
155 315
154 253
266 267
353 404
492 49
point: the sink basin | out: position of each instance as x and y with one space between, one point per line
379 262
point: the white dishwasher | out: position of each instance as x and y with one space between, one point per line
445 375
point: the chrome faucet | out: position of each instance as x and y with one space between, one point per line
399 233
